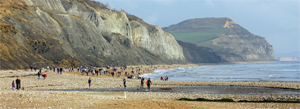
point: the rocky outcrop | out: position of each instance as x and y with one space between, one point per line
248 46
64 32
225 37
155 40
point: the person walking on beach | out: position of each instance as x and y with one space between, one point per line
142 82
149 83
35 68
61 69
57 70
89 81
166 79
93 72
162 78
31 68
82 71
112 73
124 80
18 82
87 73
13 85
39 74
44 75
100 71
96 71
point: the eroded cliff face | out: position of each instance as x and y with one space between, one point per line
156 40
241 42
231 41
60 32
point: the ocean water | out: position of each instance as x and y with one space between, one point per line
273 71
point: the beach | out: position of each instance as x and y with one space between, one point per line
39 94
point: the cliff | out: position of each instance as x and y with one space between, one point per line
227 38
71 32
195 54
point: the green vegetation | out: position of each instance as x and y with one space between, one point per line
198 37
197 25
231 100
199 31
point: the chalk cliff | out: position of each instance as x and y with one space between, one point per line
70 32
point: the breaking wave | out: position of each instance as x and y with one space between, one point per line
278 71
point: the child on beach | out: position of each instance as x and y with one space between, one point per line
13 85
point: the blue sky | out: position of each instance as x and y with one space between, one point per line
276 20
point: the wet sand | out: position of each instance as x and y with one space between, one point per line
37 94
38 99
215 90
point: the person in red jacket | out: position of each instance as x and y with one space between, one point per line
149 83
44 75
162 78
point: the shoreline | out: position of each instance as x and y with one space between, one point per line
74 80
37 94
205 64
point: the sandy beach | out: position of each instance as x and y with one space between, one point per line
38 94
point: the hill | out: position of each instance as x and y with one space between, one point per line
224 36
197 30
79 32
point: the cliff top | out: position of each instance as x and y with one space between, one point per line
198 24
204 29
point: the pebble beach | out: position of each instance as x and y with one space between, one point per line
37 93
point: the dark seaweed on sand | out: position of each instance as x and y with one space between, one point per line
231 100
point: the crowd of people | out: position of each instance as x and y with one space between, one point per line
95 71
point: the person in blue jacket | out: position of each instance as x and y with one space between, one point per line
124 80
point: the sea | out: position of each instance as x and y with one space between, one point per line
270 71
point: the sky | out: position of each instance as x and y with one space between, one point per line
276 20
